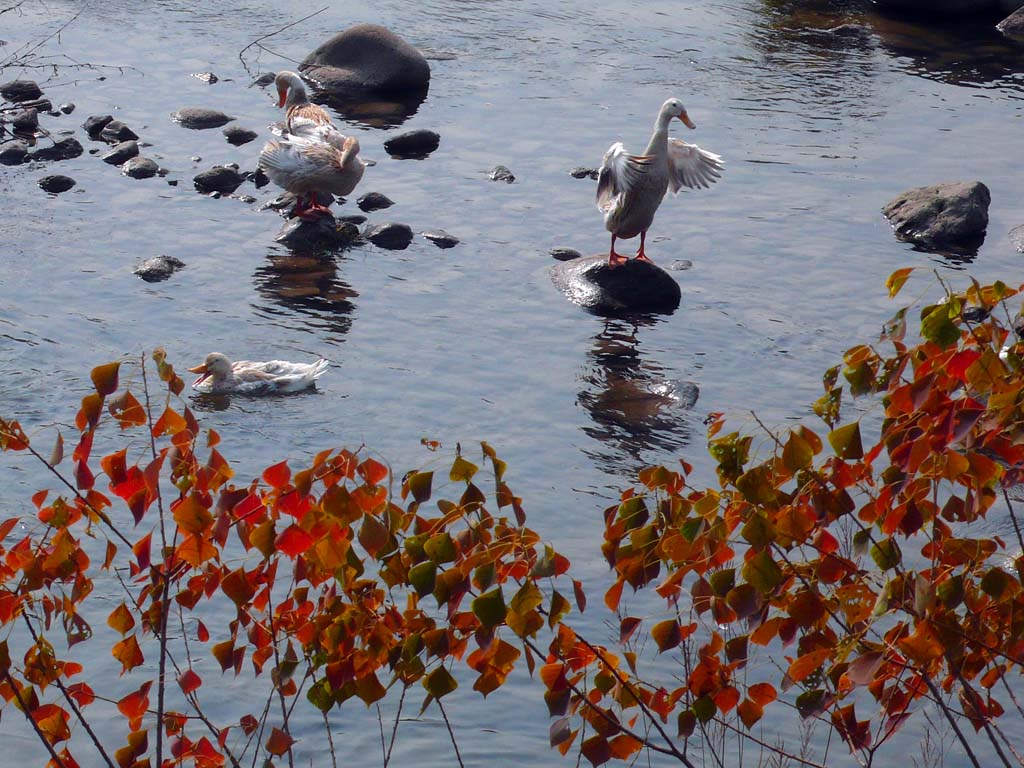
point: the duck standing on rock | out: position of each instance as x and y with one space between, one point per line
220 376
631 187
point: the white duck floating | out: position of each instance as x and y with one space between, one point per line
631 187
221 376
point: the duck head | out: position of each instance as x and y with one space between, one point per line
290 89
674 108
216 365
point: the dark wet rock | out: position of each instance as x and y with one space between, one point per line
441 239
944 214
580 172
65 149
220 178
353 218
259 178
158 268
1013 25
237 135
200 118
564 254
96 123
115 131
56 184
325 232
854 32
172 182
121 153
13 152
374 201
636 286
20 90
140 168
938 7
26 122
394 237
367 58
680 265
413 144
285 203
1017 238
66 109
207 77
501 173
264 79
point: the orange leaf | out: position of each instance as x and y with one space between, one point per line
808 663
750 712
278 475
726 698
121 619
372 471
279 742
762 693
189 681
134 705
191 515
128 653
104 378
614 595
293 541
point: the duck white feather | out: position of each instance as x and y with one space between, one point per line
221 376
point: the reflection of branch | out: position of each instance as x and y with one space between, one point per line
6 62
256 42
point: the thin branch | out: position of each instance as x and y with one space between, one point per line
451 733
241 53
35 726
394 729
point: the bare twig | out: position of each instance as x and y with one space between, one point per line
451 733
25 708
256 42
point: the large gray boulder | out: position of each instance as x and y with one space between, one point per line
1013 25
944 214
322 234
636 286
367 58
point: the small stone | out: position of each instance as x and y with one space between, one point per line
501 173
26 122
140 168
245 198
220 178
13 152
196 159
21 90
172 182
264 79
579 172
65 149
96 123
158 268
116 131
259 178
374 201
322 234
394 237
237 136
121 153
56 184
1017 238
199 118
66 109
441 239
564 254
353 218
681 265
413 144
207 77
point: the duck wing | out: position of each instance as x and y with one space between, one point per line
690 166
620 172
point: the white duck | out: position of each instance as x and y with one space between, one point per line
299 112
305 166
220 376
631 187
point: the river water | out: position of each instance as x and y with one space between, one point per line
787 255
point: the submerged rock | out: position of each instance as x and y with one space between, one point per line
158 268
564 254
66 109
374 201
26 122
207 77
579 172
20 90
237 135
441 239
389 235
56 184
264 79
353 218
944 214
65 149
1017 238
116 131
413 144
220 178
501 173
199 118
324 233
13 152
636 286
121 153
96 123
367 58
939 7
140 168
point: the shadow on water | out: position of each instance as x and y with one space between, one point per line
634 403
308 285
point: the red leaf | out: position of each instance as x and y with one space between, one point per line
134 705
202 633
141 551
104 378
293 541
82 694
189 681
278 475
627 627
128 653
581 598
279 742
372 471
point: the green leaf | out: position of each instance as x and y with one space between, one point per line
998 584
440 548
722 581
490 608
896 280
937 327
756 485
527 598
420 485
666 634
440 683
320 696
462 470
845 441
761 571
758 531
797 453
886 554
423 577
704 708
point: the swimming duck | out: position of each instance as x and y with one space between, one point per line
220 376
631 187
305 166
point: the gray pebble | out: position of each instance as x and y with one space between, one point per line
116 131
199 118
140 168
374 201
501 173
264 79
413 144
65 149
13 152
56 184
121 153
66 109
352 218
441 239
583 173
237 136
394 237
681 265
220 178
20 90
96 123
564 254
207 77
158 268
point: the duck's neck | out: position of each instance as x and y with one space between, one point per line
296 93
658 144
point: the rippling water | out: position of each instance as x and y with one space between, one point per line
789 252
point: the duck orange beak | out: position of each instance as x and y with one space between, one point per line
200 369
281 96
687 121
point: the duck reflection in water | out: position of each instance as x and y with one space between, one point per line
636 407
